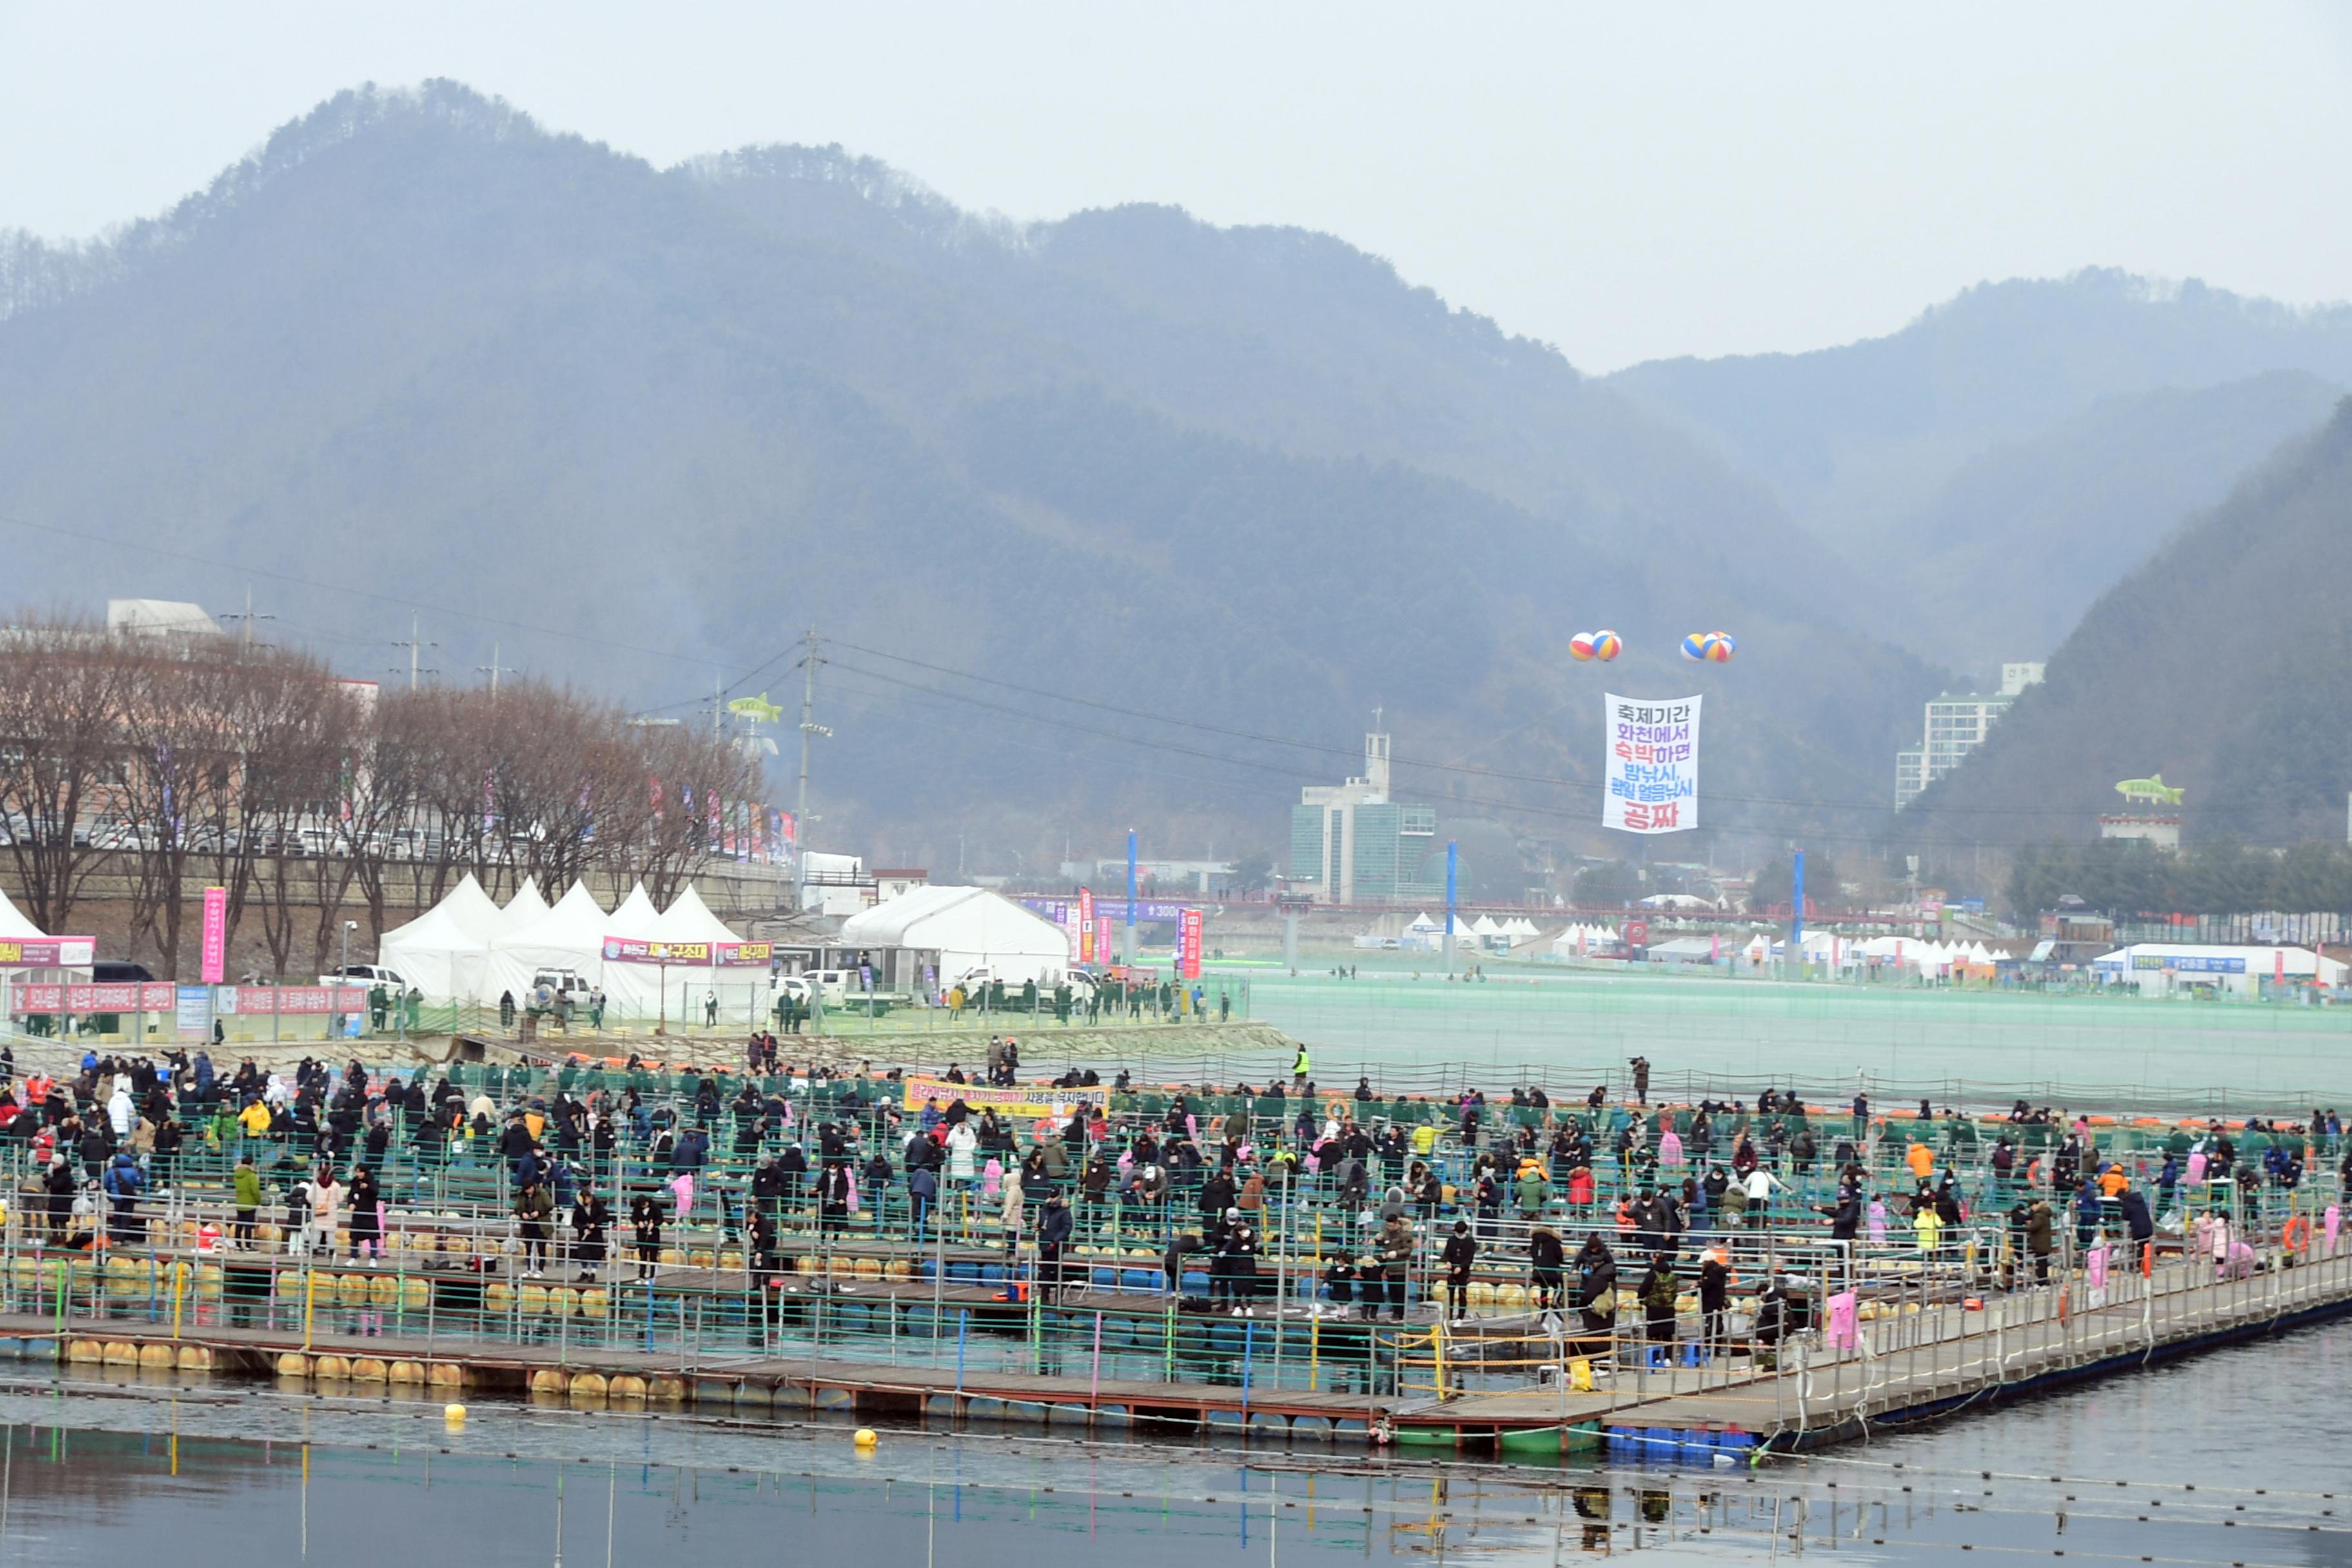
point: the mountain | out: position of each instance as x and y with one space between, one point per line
2209 664
633 427
1882 449
2018 544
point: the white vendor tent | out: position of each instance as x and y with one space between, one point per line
957 929
525 910
570 936
436 954
474 911
689 919
13 921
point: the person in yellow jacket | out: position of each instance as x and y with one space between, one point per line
1424 1139
1929 1227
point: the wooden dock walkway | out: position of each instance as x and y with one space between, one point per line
1911 1362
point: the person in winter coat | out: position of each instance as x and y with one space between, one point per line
591 1222
367 1214
1461 1253
1596 1288
245 1187
645 1226
123 1181
1715 1300
1013 1213
1546 1258
1658 1289
534 1208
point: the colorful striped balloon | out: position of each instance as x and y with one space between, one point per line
1580 647
1695 648
1720 647
1606 645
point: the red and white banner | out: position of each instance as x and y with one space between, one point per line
1088 948
1188 946
163 996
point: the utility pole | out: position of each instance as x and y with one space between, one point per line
809 728
245 628
415 646
493 669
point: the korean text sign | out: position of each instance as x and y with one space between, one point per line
1652 765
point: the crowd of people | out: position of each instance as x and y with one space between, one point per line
1563 1196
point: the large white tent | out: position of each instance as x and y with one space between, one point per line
966 929
525 910
436 952
13 922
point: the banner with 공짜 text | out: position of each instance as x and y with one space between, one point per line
1651 765
1021 1099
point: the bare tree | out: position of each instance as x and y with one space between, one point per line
61 757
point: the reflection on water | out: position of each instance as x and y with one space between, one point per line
2231 1459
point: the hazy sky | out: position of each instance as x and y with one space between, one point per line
1623 181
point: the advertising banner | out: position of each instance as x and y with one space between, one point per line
213 949
195 1012
47 952
697 954
1651 765
1188 946
1089 948
1028 1101
156 997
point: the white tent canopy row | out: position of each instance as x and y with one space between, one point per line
468 948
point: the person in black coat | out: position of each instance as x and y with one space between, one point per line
1461 1253
1546 1259
1596 1289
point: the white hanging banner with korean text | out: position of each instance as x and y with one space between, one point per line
1652 765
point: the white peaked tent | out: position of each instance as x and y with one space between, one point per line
968 928
689 919
473 910
13 921
436 954
525 910
636 918
571 935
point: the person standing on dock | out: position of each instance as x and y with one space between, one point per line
1596 1289
1461 1255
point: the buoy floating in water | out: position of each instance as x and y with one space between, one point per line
452 1413
866 1438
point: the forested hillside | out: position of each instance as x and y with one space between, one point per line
637 428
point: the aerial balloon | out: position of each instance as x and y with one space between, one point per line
1709 648
1603 646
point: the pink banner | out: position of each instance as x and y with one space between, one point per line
156 997
213 952
1839 1333
2097 1267
1187 951
1088 948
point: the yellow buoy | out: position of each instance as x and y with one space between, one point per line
293 1364
866 1438
157 1355
453 1413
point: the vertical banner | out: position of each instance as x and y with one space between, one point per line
214 948
1090 949
1652 765
1187 950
